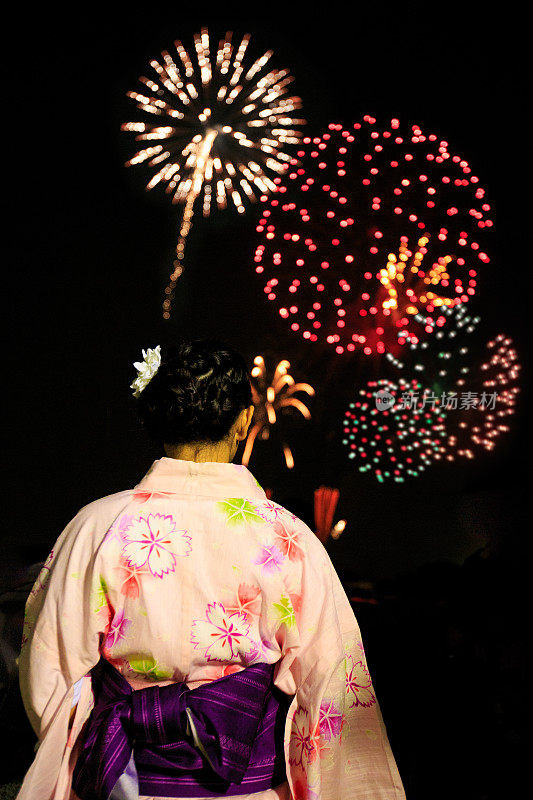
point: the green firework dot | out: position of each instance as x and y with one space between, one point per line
238 510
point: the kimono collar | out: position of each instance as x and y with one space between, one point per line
209 478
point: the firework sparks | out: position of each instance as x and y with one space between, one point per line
408 286
444 357
335 256
479 417
219 130
394 429
272 398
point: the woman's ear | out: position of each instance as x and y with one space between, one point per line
243 423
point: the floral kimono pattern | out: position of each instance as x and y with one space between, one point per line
190 576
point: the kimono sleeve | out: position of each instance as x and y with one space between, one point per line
336 744
64 616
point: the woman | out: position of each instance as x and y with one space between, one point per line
190 638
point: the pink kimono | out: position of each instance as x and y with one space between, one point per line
190 576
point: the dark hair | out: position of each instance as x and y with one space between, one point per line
196 394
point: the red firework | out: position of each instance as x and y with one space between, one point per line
372 234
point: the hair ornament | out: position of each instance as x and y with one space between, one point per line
146 369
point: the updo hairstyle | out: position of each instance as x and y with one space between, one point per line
197 393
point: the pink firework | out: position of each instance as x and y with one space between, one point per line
480 406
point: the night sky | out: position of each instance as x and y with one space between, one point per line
89 253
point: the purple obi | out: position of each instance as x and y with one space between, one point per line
223 738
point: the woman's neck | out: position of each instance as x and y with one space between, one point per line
200 451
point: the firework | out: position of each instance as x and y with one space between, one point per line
408 288
325 503
374 232
395 429
479 416
269 398
443 358
218 130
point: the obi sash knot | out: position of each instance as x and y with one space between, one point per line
224 737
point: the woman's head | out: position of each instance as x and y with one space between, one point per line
196 395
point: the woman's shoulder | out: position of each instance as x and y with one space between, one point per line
104 508
286 524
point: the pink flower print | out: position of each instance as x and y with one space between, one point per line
43 576
252 654
296 601
230 669
315 745
294 596
118 527
270 559
362 649
299 746
247 601
331 720
302 790
223 635
117 629
130 578
154 541
104 613
258 650
221 671
27 626
142 495
120 664
287 540
269 511
359 684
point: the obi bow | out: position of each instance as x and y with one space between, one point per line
175 739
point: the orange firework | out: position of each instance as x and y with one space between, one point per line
269 398
410 285
216 131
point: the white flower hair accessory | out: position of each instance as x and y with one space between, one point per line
146 369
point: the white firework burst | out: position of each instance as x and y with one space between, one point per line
217 131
